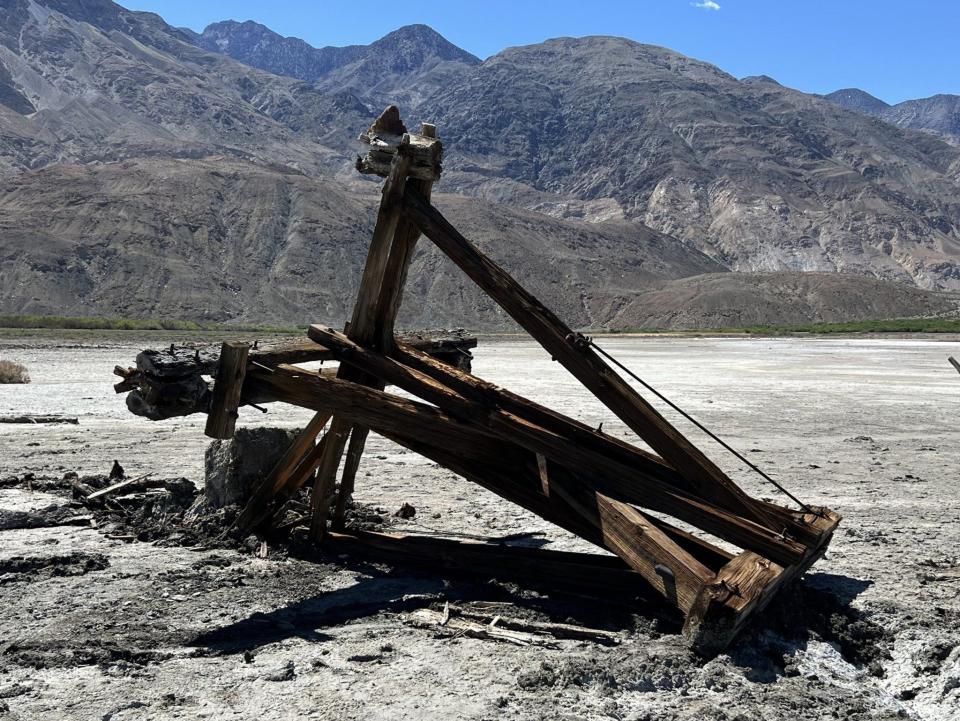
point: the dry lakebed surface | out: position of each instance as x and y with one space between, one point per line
98 625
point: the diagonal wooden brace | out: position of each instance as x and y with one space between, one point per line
709 481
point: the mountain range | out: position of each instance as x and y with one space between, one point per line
938 114
153 170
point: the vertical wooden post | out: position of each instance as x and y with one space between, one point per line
362 327
381 338
222 419
333 444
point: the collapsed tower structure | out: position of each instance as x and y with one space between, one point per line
600 488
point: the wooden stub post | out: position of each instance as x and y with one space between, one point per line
228 385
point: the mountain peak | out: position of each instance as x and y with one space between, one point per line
759 79
858 100
413 44
403 50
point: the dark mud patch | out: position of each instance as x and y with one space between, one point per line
37 568
664 668
53 515
66 653
801 613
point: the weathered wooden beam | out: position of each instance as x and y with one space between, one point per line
392 413
576 356
388 135
358 438
170 383
628 482
388 303
33 419
646 544
363 323
565 570
742 588
484 392
222 419
329 462
667 567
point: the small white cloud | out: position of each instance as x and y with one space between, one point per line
706 5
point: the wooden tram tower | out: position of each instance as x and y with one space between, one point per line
596 486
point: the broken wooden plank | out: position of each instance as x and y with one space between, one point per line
454 626
557 630
329 462
35 419
564 570
258 507
358 438
119 486
222 419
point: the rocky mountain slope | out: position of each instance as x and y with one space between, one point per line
113 126
405 66
759 176
725 300
220 239
938 114
755 174
89 81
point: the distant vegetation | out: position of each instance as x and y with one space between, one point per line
85 323
11 372
902 325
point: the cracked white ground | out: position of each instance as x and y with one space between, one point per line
869 427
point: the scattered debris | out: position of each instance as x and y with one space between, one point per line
126 485
52 515
38 419
34 568
435 620
406 511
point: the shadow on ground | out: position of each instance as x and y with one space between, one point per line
402 590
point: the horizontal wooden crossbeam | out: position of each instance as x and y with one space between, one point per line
384 412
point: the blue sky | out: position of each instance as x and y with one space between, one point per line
894 49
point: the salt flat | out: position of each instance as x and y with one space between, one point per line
869 427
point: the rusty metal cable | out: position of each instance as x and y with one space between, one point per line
698 424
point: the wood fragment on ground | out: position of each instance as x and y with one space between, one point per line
456 621
29 418
125 484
